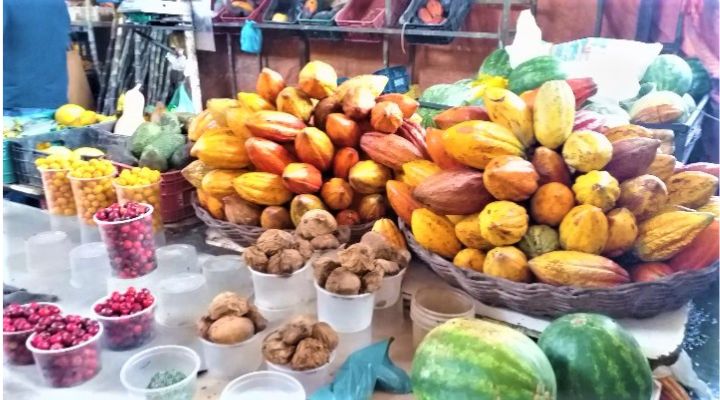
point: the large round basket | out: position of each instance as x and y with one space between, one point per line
632 300
246 235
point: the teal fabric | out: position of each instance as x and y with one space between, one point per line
35 42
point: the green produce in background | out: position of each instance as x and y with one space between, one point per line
669 72
534 72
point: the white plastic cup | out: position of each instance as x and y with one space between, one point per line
282 291
177 258
140 368
390 290
228 361
227 273
433 306
66 223
345 313
181 299
89 264
89 233
47 252
265 385
312 379
282 314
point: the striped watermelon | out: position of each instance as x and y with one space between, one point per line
701 83
469 359
496 64
595 358
534 72
669 72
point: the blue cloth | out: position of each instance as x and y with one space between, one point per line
36 35
251 38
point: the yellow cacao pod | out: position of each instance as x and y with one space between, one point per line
587 151
597 188
644 196
712 206
262 188
509 110
220 148
503 222
434 232
470 259
622 232
663 166
475 143
664 235
454 218
303 203
219 182
691 188
584 228
553 113
368 177
415 172
468 232
507 262
391 232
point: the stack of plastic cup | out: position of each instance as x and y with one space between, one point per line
228 273
149 194
345 313
47 260
433 306
176 258
91 195
130 245
182 299
89 264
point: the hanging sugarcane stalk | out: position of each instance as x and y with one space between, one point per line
116 84
91 38
100 104
110 96
153 66
136 59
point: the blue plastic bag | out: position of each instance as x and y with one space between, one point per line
181 101
364 371
251 38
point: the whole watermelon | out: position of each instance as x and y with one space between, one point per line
669 72
701 84
534 72
469 359
496 64
595 358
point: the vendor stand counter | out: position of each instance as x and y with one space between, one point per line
20 383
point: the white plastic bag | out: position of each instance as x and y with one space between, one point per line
132 115
528 41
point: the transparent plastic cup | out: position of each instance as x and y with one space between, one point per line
433 306
264 385
182 299
228 361
149 194
67 224
47 252
137 372
129 331
14 350
345 313
228 273
58 192
282 291
71 366
390 290
91 195
130 245
311 379
176 258
89 264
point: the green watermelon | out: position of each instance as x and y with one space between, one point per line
497 64
701 84
470 359
534 72
595 358
669 72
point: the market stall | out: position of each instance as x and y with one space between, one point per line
539 230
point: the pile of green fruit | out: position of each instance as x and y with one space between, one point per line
160 145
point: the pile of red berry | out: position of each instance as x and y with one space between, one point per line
127 325
117 212
19 322
74 357
130 245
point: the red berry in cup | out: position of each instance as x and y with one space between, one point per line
19 322
128 235
127 319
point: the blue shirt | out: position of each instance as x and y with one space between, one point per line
36 35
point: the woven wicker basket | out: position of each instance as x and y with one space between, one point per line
632 300
246 235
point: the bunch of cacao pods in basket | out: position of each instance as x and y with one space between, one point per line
540 192
268 157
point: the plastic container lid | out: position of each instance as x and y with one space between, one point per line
264 385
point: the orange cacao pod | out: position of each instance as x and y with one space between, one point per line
337 194
389 150
401 200
314 147
348 217
407 104
269 83
268 156
343 131
386 117
302 178
371 207
274 125
433 138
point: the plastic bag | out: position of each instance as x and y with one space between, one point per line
251 38
528 41
364 371
181 101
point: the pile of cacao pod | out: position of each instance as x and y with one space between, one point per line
268 157
540 192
